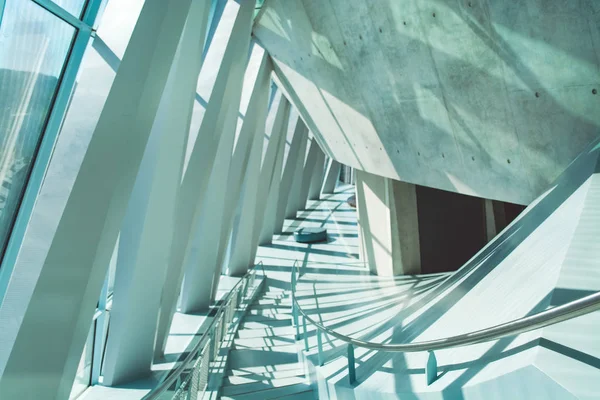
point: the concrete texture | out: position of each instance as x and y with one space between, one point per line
492 99
388 225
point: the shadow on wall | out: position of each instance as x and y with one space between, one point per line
492 100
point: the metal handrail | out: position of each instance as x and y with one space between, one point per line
552 316
175 375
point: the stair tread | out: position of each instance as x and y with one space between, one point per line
260 318
271 393
247 377
285 348
265 341
262 385
263 362
284 331
243 358
258 369
274 323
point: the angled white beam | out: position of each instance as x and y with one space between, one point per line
270 172
332 176
258 181
297 147
147 229
254 117
307 173
293 204
225 182
221 114
54 308
268 226
317 177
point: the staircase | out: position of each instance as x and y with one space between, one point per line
263 362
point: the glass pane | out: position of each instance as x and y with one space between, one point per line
33 47
75 7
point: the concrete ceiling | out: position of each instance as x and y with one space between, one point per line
488 98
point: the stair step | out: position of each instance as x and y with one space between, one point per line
277 331
260 318
275 295
273 393
270 301
263 385
248 377
306 395
246 358
283 348
266 369
269 313
268 341
266 324
287 348
274 307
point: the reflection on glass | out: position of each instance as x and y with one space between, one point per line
33 47
75 7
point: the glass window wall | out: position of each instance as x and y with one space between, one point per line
34 46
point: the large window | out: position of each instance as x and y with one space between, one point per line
34 45
75 7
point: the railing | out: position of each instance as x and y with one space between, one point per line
190 380
552 316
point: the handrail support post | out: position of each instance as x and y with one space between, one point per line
431 368
320 347
305 334
351 364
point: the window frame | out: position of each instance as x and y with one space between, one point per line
84 32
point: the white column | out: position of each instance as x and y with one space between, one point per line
388 225
293 204
307 174
56 306
217 125
490 221
332 176
297 147
255 195
219 205
270 215
316 181
252 127
147 229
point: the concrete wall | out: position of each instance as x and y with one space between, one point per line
388 225
491 99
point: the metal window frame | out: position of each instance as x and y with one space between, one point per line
58 110
2 5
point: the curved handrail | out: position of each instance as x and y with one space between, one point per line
174 375
552 316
